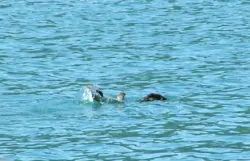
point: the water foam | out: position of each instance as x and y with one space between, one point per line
87 95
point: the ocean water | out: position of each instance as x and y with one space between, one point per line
196 53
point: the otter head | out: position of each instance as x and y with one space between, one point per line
120 97
152 97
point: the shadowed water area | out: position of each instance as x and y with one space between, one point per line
195 53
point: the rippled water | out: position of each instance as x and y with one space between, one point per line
196 53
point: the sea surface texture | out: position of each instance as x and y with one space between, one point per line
194 52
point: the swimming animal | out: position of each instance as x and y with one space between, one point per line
152 97
119 98
94 94
98 96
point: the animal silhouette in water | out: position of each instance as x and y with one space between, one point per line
119 98
98 96
152 97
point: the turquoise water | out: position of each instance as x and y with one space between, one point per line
196 53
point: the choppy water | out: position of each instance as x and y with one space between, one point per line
196 53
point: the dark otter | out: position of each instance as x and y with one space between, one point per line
100 92
152 97
98 96
93 94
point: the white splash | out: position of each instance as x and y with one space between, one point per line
87 94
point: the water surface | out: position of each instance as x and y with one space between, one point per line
194 53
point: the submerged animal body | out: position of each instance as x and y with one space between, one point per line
119 98
93 94
152 97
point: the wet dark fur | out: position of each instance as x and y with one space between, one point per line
152 97
100 92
